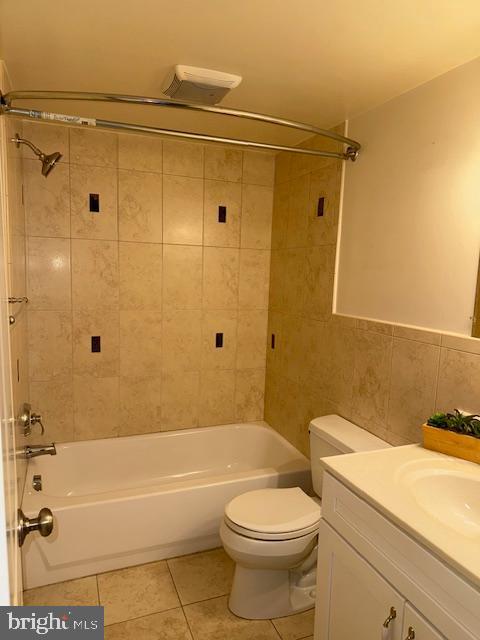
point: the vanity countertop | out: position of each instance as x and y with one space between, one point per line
433 497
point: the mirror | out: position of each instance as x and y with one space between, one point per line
410 225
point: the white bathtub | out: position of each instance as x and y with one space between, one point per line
125 501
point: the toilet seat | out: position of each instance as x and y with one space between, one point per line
273 514
259 535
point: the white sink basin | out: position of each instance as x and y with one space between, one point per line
433 497
447 493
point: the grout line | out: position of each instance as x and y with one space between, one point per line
98 595
72 371
179 599
276 630
145 615
389 392
437 378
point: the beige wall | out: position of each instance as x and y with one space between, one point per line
154 274
385 378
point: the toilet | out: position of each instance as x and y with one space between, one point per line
272 534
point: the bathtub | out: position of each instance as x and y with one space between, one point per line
125 501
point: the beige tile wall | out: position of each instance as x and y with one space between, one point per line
154 274
387 379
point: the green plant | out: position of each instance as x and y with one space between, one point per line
457 421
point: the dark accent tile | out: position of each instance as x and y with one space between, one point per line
219 340
222 213
94 202
321 206
96 344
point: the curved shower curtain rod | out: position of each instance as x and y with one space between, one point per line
350 153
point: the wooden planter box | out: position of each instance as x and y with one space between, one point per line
451 443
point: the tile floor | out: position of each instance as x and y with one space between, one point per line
183 598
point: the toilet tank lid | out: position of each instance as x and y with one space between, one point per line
345 435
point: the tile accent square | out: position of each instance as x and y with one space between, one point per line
221 356
85 181
228 195
105 325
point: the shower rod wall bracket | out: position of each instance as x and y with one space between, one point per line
349 153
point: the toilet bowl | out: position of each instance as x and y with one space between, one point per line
272 534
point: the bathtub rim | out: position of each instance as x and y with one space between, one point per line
32 499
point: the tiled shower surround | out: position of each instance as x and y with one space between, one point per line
157 282
385 378
150 314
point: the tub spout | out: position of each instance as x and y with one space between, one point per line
34 450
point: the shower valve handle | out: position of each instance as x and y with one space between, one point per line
28 419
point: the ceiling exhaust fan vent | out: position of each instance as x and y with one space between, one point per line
203 86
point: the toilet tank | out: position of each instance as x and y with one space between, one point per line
332 436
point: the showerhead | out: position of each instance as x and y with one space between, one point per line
48 161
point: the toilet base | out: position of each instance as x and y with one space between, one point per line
260 594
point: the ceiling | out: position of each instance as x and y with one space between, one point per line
309 60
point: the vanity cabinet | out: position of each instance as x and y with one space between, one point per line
415 627
368 569
355 600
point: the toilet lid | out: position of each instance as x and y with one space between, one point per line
273 510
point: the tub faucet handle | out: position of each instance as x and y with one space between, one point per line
28 419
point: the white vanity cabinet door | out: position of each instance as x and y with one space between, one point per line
415 627
353 600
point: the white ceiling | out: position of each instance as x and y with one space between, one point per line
310 60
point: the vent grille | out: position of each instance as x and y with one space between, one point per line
173 87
